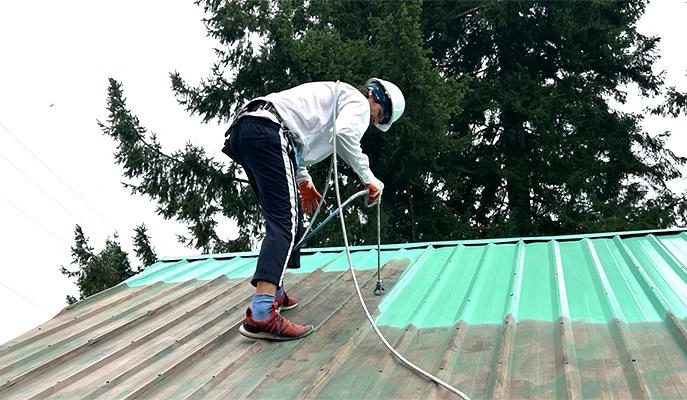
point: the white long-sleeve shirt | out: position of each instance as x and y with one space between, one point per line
308 111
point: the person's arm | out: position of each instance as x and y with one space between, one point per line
351 123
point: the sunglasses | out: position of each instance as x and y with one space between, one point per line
382 116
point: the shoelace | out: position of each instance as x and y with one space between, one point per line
279 328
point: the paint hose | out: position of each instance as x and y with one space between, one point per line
350 265
332 215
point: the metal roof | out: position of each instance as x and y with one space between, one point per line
584 316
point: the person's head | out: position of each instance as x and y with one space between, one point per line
386 102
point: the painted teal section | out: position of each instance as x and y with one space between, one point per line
637 277
628 276
537 282
209 268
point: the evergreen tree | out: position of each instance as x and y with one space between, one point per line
108 268
144 250
548 153
187 185
302 41
508 127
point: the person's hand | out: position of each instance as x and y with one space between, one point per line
374 192
309 196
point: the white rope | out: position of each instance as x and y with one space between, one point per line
355 281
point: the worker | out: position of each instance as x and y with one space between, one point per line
275 138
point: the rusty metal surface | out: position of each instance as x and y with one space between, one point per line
176 338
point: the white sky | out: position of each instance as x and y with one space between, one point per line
62 53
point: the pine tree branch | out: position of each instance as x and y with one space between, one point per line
150 147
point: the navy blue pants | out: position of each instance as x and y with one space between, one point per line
265 153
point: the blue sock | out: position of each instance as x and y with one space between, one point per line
262 306
280 291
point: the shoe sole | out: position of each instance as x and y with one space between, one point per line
286 308
271 336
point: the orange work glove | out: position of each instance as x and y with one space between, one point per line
374 193
309 196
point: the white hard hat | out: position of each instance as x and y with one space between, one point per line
394 96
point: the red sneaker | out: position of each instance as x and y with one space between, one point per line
285 302
275 327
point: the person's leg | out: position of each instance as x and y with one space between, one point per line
286 302
263 151
263 300
276 183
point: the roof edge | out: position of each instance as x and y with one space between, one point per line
470 242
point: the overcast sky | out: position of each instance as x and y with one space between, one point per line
56 167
